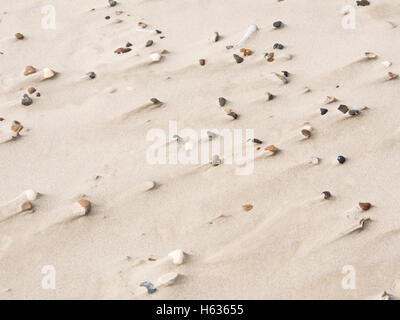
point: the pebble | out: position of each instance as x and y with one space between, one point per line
246 52
211 135
222 101
329 99
280 77
29 70
371 55
91 75
31 90
354 112
168 279
148 185
112 3
177 256
107 17
202 62
48 73
271 148
247 207
234 115
269 56
392 76
363 3
255 140
343 108
306 132
278 46
26 100
228 47
315 160
149 43
19 36
341 159
237 58
155 57
122 50
16 126
149 286
364 205
117 20
270 96
155 100
26 206
37 94
285 73
128 44
142 25
326 195
323 111
386 64
216 36
277 24
83 207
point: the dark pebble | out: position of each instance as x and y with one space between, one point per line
149 43
112 3
285 73
149 286
234 115
107 17
158 31
91 75
354 112
202 62
277 24
343 108
238 59
37 94
326 195
155 100
341 159
216 36
222 101
255 140
128 44
323 111
278 46
26 100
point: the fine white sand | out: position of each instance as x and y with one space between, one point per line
291 245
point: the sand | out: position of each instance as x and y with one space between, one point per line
86 139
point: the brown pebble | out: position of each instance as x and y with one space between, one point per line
392 76
29 70
271 148
142 25
365 206
19 36
306 133
155 100
27 206
85 204
202 62
16 126
246 52
122 50
228 47
117 20
238 59
149 43
31 90
247 207
363 3
37 94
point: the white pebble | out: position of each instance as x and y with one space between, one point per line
48 73
386 64
168 279
155 57
148 185
177 256
31 195
315 160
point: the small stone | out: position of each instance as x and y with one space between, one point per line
211 135
246 52
272 149
128 44
216 36
177 256
364 205
228 47
341 159
386 64
158 32
247 207
371 55
91 75
16 126
285 73
329 99
29 70
112 3
306 131
107 17
117 20
237 58
202 62
37 94
269 56
149 286
280 77
277 24
234 115
48 73
354 112
149 43
363 3
392 76
168 279
323 111
326 195
27 206
122 50
270 96
148 185
255 140
83 206
142 25
26 100
222 101
31 90
155 100
19 36
315 160
278 46
343 108
155 57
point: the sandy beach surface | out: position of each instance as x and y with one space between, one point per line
264 235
